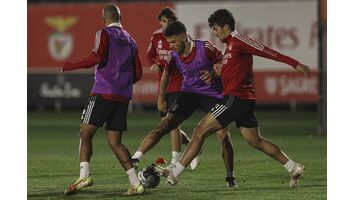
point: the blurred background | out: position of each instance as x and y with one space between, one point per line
291 109
65 30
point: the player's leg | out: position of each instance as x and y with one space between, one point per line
220 116
169 123
124 157
184 138
254 138
175 134
181 109
116 124
93 116
175 140
227 152
217 105
86 135
207 126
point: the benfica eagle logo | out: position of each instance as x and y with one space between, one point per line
60 43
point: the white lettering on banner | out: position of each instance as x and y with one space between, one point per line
279 37
298 86
57 91
286 85
271 85
275 24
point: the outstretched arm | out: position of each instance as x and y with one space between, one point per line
97 56
250 46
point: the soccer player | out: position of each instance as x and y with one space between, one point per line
118 67
239 97
158 52
194 59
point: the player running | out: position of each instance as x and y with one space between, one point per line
118 67
158 51
194 59
239 97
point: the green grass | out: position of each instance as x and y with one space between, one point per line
53 160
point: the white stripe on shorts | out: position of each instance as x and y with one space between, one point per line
220 109
89 110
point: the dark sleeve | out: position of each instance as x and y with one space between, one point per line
249 46
97 56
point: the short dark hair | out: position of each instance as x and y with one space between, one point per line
175 28
222 17
112 12
169 13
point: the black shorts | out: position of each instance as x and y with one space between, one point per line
98 110
241 111
186 103
169 98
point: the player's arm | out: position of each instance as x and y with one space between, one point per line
152 56
214 55
97 56
164 82
250 46
137 68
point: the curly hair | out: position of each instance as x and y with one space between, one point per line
222 17
169 13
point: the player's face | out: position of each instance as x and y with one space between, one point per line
219 32
164 22
177 42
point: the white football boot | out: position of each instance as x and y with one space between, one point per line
295 174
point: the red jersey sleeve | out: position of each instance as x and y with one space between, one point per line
249 46
137 73
212 52
97 56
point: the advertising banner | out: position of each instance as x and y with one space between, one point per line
278 87
57 32
60 32
69 90
288 27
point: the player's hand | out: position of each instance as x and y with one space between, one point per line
304 69
206 76
162 105
218 68
64 67
67 67
155 68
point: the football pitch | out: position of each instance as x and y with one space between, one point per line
53 163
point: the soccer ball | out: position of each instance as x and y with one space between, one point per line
149 177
